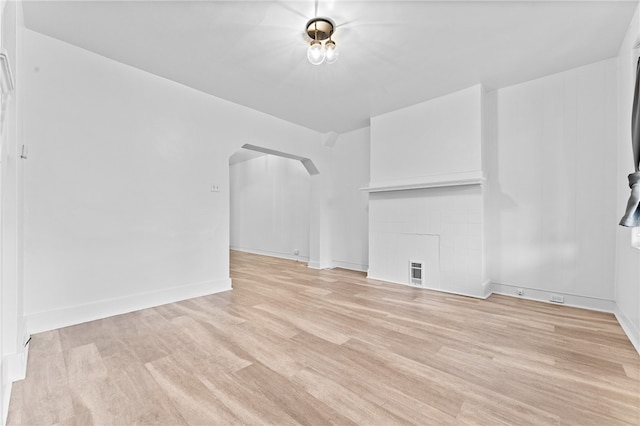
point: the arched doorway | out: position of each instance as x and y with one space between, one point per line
270 203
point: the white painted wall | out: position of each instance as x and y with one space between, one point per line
442 227
552 185
119 212
270 204
270 199
4 383
12 324
439 137
489 138
350 223
627 266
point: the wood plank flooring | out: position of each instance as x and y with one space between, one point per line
292 345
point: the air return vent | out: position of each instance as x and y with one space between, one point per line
415 272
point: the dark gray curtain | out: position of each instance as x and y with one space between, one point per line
632 215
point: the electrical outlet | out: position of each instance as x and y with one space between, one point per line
215 187
520 292
556 298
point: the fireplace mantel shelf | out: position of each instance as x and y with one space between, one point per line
440 181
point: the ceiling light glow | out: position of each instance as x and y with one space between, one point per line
316 53
319 30
331 51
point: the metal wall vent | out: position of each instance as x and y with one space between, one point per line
416 272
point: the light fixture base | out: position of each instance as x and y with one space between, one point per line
320 28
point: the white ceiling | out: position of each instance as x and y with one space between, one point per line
392 53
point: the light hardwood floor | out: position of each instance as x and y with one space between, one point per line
294 345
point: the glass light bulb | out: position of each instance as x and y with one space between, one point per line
316 53
332 52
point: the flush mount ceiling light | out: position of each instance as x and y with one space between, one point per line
319 30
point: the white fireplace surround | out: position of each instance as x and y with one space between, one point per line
438 220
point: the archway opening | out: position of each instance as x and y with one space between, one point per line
270 199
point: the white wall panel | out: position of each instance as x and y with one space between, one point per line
13 354
552 183
350 222
440 226
436 137
119 211
627 290
270 198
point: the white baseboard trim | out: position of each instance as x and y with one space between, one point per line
14 368
51 320
16 365
317 265
310 263
628 327
487 288
572 300
271 254
350 266
424 287
314 265
6 398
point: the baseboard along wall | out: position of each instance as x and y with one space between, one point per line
51 320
